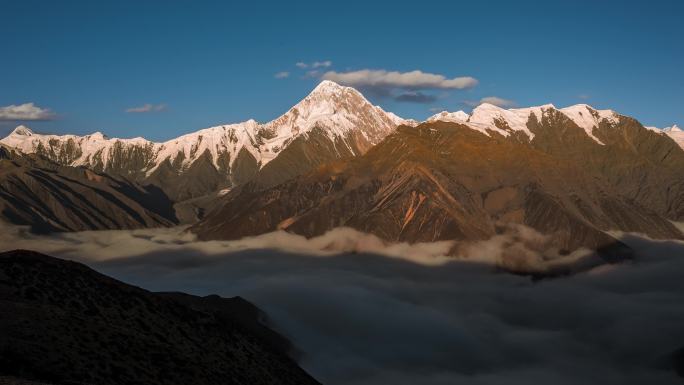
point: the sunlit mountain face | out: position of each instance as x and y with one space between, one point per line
304 193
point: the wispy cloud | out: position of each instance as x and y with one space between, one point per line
324 64
147 108
584 96
316 64
416 316
495 100
26 111
281 75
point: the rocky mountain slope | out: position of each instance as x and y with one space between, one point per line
332 122
63 323
49 197
570 173
598 169
676 133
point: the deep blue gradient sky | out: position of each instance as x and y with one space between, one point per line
214 62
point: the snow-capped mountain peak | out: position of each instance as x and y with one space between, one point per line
328 87
98 136
446 116
587 117
336 110
503 120
22 131
339 112
676 133
488 118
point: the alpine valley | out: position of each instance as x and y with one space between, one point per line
334 160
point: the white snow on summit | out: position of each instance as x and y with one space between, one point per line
330 107
676 133
333 109
515 118
445 116
587 117
488 117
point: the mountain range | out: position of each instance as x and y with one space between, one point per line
334 159
332 122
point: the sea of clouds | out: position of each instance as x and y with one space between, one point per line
363 311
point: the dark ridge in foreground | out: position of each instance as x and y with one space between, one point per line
678 361
64 323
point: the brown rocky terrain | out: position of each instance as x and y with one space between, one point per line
446 181
49 197
63 323
572 173
640 164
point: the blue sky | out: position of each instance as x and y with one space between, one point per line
197 64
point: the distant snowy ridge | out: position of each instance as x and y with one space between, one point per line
488 117
335 109
676 133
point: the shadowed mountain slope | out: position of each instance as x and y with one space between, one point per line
63 323
49 197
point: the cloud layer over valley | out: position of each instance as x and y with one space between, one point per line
406 314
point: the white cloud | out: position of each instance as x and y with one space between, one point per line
411 315
147 108
393 79
316 64
324 64
495 100
26 111
518 248
281 75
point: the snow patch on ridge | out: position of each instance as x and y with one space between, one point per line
488 117
676 133
589 118
514 119
445 116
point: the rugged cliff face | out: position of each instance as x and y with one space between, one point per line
445 180
643 165
63 323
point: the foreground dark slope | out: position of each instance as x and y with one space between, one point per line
443 181
64 323
37 192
